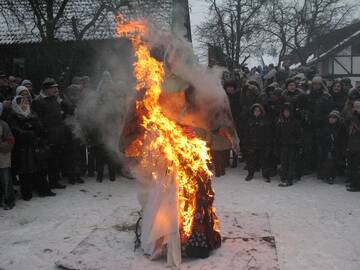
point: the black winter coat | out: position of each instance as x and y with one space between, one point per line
29 152
319 105
339 100
333 139
354 134
51 117
258 134
287 134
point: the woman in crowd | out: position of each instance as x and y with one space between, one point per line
29 153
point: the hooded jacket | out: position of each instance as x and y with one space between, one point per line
258 134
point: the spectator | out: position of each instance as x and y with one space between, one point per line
333 145
48 106
354 149
319 104
287 144
27 156
73 148
339 95
29 86
7 141
259 141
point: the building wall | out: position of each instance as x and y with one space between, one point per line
31 61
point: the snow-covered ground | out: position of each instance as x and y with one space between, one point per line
316 226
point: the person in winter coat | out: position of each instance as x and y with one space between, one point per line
292 94
220 145
258 140
346 85
319 104
287 144
7 141
234 94
339 95
333 145
249 96
353 148
27 154
49 107
353 95
74 150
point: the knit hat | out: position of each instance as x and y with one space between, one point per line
335 113
317 79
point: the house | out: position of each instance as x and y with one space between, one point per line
24 53
336 54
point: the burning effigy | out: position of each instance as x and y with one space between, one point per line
167 135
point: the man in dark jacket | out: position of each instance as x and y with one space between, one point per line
354 149
233 94
74 150
258 140
287 142
319 104
48 106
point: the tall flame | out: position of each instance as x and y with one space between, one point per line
187 157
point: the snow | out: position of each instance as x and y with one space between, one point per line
315 225
295 66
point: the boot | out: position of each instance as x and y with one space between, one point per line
352 188
72 180
57 185
250 176
330 181
79 180
285 184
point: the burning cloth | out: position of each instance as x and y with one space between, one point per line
167 134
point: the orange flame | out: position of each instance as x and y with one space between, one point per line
187 157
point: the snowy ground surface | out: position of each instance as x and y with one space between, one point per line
316 226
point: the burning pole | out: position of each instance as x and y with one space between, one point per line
178 213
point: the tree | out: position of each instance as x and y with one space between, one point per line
233 25
297 24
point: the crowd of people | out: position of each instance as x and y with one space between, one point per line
291 124
37 147
295 125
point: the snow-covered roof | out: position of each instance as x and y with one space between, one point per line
18 22
335 48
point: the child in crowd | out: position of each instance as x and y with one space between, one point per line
287 143
333 139
258 139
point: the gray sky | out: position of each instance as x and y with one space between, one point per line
199 10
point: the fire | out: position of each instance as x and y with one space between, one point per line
186 156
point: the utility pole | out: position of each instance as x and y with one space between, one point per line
181 18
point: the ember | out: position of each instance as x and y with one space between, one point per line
186 156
